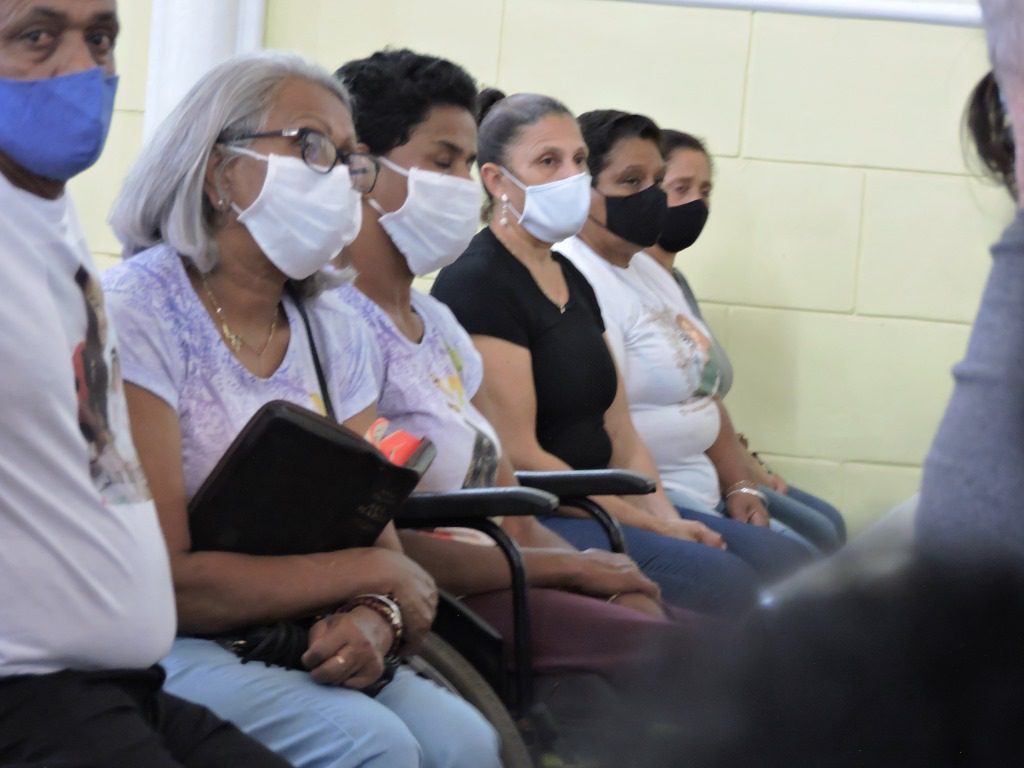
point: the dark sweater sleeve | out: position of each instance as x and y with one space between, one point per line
972 494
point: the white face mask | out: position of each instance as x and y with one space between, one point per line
556 210
440 215
302 219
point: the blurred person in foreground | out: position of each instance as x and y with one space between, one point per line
887 663
973 484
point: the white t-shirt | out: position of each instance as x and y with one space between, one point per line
663 353
84 575
427 388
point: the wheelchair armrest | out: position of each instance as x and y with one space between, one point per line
474 508
475 504
588 482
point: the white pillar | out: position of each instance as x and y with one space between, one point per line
189 37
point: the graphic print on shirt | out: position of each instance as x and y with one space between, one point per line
102 418
482 471
451 385
691 350
711 375
483 466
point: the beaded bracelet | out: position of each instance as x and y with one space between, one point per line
387 608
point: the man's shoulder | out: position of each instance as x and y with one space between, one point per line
39 234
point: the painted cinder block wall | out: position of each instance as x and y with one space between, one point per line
847 245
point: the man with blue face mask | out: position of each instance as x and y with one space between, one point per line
86 604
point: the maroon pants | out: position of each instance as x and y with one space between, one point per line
579 633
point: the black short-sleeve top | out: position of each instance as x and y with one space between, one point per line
493 294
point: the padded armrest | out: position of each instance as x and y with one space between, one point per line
476 503
588 482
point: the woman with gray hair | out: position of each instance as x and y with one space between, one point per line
973 483
230 218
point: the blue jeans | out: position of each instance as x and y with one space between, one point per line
411 723
692 576
796 514
683 500
772 555
696 576
815 519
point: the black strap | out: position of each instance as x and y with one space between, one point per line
301 306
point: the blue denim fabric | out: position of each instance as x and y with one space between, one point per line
411 723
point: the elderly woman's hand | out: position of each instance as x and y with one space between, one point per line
412 588
348 649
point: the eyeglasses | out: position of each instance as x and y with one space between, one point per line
322 156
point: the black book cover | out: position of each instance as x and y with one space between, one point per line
294 482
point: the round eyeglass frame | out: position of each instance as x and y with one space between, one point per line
363 167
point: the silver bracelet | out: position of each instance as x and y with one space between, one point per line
748 492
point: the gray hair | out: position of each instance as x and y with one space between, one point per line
1004 26
163 200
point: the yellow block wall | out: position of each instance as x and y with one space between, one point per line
95 190
846 250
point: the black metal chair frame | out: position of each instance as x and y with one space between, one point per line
540 493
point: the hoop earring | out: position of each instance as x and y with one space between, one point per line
504 210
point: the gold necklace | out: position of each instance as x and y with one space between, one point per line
234 340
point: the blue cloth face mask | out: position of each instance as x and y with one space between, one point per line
56 127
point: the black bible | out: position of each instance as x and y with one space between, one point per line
294 482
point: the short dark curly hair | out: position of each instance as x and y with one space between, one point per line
604 128
394 90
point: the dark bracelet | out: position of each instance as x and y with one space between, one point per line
388 609
391 664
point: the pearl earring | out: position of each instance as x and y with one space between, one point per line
504 210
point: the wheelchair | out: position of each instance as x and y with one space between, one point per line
465 653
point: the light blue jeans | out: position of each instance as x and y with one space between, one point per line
411 723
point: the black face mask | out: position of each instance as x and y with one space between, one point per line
637 218
683 225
